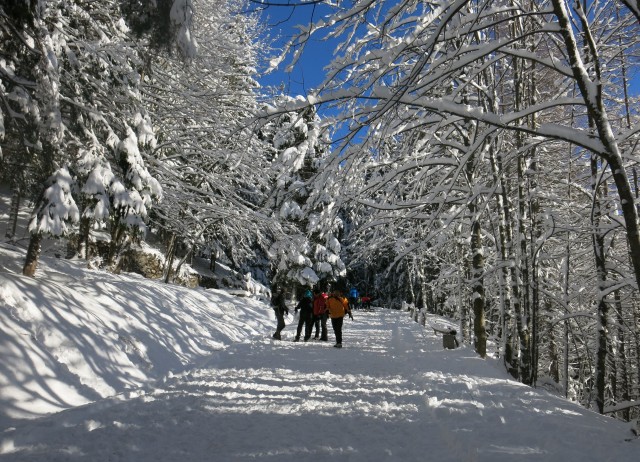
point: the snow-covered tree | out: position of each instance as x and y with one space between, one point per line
415 49
132 195
309 252
211 164
475 97
78 96
56 209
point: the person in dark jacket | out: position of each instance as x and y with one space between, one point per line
320 313
305 305
280 309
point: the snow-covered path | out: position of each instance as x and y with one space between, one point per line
391 394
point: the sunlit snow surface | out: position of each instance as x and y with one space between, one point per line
390 394
197 377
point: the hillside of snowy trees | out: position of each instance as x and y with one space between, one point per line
476 159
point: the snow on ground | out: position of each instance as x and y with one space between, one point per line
73 335
142 371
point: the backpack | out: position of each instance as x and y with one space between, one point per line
336 306
319 305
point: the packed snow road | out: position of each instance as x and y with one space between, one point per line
391 394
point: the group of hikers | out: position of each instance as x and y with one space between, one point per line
315 308
357 302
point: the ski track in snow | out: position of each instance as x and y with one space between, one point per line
391 394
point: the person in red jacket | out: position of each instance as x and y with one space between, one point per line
320 314
338 306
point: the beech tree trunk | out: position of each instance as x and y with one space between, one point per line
601 276
477 276
505 236
523 320
624 389
520 273
552 344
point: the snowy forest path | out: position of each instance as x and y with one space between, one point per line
391 394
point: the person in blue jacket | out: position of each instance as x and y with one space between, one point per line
353 298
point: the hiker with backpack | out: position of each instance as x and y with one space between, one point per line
338 306
305 305
280 308
320 314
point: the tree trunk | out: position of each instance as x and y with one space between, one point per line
566 282
171 253
183 260
116 235
477 258
462 299
554 363
14 213
534 216
566 285
601 272
523 320
535 248
477 277
601 356
565 380
83 238
636 334
623 373
212 262
33 253
505 236
520 273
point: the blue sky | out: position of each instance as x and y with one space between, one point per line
309 72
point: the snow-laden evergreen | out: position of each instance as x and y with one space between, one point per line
57 206
309 252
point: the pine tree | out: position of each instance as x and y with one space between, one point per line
309 252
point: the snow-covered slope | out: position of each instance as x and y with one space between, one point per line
156 372
74 335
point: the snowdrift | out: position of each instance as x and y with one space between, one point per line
74 335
